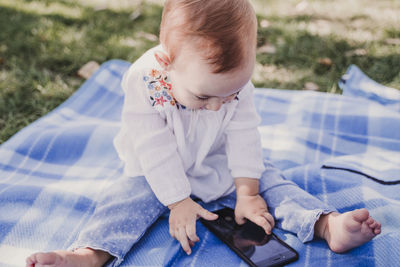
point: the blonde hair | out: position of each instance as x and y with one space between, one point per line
226 30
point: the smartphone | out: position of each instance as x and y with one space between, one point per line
250 241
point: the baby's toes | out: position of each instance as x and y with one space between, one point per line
31 260
369 221
366 230
377 231
373 224
376 226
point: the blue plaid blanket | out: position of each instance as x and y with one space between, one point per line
344 149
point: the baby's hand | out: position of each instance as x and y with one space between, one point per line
255 209
182 222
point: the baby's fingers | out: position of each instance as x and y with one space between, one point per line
205 214
240 219
182 238
191 232
270 219
264 223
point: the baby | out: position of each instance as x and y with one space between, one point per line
189 130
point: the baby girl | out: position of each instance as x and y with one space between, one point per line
189 131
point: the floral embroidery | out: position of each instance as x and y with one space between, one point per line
160 101
154 73
160 89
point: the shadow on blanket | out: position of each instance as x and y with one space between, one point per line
344 149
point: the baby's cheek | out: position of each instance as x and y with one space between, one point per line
177 95
186 101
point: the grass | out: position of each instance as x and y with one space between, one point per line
44 42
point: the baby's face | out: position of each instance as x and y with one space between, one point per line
196 87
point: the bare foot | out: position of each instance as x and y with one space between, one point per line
349 230
84 257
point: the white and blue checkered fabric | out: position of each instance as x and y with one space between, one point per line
344 149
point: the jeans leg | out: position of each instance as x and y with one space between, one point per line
127 209
294 209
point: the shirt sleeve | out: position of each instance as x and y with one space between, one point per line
243 141
153 142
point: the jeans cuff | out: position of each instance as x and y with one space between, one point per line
117 257
306 233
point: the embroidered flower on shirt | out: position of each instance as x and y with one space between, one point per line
155 73
160 101
160 89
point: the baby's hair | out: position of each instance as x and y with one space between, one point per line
226 30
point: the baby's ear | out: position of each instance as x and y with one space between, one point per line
163 60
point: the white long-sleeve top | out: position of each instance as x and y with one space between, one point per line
181 151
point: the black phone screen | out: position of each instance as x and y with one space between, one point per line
250 241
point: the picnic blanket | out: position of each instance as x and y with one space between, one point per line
344 149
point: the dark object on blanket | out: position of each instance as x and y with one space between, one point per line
250 241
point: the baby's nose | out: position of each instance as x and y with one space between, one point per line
214 104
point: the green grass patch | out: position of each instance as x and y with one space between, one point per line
43 43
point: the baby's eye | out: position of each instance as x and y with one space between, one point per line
202 97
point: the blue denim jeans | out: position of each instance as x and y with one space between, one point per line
129 207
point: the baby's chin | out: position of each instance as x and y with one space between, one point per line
200 108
